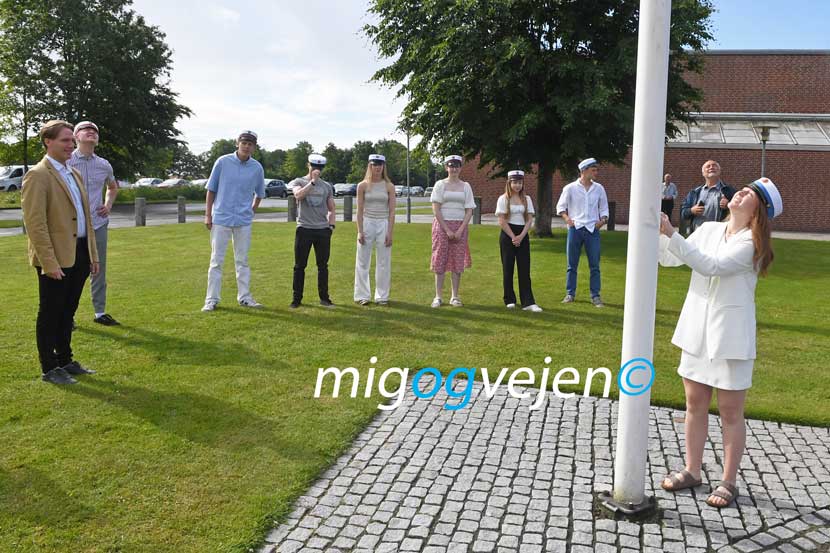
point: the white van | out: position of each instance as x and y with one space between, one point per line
11 178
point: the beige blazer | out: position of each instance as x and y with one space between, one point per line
720 304
51 220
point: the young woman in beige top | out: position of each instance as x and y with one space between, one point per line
375 222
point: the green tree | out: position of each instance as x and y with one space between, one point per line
338 164
296 160
273 163
96 60
13 154
185 164
360 158
218 148
528 82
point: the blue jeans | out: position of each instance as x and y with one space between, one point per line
576 239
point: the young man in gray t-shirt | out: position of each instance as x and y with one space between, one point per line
315 224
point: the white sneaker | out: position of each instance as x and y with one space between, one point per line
251 302
209 306
456 302
535 308
511 306
437 302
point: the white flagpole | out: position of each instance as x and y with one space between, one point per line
641 266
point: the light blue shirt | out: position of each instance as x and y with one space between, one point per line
75 192
235 182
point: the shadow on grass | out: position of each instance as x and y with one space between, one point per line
31 494
176 350
198 418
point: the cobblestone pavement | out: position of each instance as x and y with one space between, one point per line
496 476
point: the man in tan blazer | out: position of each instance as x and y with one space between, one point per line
61 248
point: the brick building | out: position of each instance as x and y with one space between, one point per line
744 89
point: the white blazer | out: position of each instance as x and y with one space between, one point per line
720 304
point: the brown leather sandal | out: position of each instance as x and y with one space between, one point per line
680 480
729 495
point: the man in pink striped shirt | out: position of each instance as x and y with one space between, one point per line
98 176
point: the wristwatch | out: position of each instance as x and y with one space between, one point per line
331 227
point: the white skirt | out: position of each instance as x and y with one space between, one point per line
725 374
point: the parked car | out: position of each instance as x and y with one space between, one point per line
148 181
416 190
275 188
199 182
173 183
399 190
428 190
11 178
345 189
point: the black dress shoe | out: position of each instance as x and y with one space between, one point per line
58 376
326 303
75 368
294 304
106 320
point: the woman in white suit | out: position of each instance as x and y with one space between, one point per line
716 330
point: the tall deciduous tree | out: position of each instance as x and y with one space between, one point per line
88 59
528 82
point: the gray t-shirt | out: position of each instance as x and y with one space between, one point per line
313 210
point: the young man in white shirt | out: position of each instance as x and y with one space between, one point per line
584 207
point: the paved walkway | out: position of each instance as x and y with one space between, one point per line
496 476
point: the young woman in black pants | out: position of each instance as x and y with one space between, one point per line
515 211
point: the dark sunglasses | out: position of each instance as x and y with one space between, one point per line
376 162
453 164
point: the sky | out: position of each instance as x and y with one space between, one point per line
295 71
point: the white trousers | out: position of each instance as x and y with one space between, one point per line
219 238
374 232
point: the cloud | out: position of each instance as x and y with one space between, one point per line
299 77
223 15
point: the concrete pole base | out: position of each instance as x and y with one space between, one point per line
627 509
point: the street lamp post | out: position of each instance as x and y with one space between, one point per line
764 130
408 199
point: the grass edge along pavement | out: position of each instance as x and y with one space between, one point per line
195 433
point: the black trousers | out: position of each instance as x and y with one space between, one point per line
58 303
520 257
304 239
667 206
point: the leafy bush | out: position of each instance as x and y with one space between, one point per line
128 195
10 199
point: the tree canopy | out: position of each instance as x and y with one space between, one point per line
524 83
88 60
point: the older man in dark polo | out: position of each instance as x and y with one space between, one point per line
61 248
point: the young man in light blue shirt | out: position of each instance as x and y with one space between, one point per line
234 190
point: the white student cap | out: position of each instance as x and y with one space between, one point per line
770 195
85 125
377 157
516 173
585 163
316 159
448 159
250 136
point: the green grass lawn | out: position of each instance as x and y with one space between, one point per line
199 430
6 223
